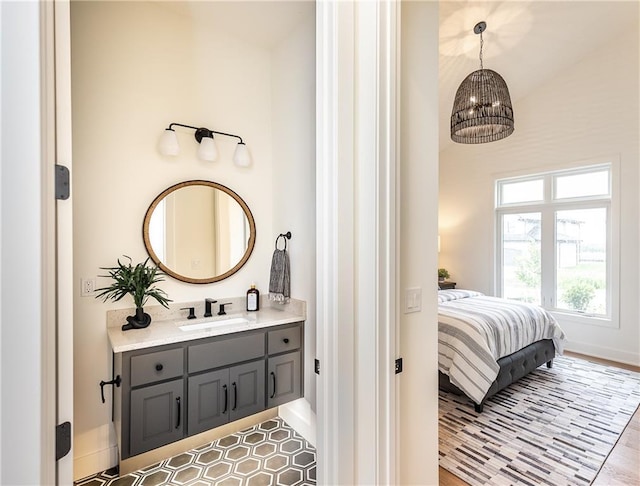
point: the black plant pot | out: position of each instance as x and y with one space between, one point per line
139 321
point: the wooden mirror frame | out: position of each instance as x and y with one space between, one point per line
173 273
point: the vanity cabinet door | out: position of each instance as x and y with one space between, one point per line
246 389
209 397
157 416
284 379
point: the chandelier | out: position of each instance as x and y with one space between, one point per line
482 110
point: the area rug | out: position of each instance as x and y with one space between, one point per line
553 427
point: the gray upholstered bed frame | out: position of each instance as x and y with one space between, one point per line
512 368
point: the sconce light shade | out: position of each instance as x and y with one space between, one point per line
168 144
207 150
242 157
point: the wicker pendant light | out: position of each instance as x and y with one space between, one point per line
482 110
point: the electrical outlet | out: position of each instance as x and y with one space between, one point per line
87 287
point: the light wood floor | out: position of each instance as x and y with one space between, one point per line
621 467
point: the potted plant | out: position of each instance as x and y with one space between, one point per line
139 282
443 274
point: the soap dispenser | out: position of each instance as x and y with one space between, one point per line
253 298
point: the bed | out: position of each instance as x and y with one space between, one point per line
486 343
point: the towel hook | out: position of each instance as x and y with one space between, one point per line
286 236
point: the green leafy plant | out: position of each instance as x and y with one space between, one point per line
596 283
528 271
579 295
138 281
443 273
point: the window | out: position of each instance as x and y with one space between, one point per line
554 241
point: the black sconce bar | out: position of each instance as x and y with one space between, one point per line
202 132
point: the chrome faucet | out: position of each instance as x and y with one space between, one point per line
207 306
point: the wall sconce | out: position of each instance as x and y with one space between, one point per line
207 150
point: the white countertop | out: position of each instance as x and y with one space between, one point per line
168 331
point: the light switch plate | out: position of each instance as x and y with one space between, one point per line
413 300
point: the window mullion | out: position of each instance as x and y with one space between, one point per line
548 258
497 285
547 247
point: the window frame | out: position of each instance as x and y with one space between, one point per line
548 209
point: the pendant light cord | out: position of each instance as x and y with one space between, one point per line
481 45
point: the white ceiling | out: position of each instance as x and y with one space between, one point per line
526 41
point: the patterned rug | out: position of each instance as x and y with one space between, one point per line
553 427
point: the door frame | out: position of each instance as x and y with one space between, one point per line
63 230
357 236
27 223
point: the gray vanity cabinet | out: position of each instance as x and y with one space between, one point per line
173 391
208 400
284 375
233 385
284 379
247 389
152 393
222 396
156 416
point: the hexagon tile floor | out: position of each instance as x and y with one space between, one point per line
270 453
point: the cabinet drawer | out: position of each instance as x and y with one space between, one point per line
284 339
152 367
224 352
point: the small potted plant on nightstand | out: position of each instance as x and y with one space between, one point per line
139 282
443 274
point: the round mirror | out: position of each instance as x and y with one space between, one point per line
199 231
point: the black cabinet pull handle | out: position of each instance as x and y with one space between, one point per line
226 398
286 340
273 375
179 412
159 367
235 396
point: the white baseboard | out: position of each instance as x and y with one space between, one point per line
300 417
603 353
95 462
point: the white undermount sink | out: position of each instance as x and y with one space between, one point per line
218 323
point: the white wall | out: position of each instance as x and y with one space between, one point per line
418 454
294 165
588 111
137 67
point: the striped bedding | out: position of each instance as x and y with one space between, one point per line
475 330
